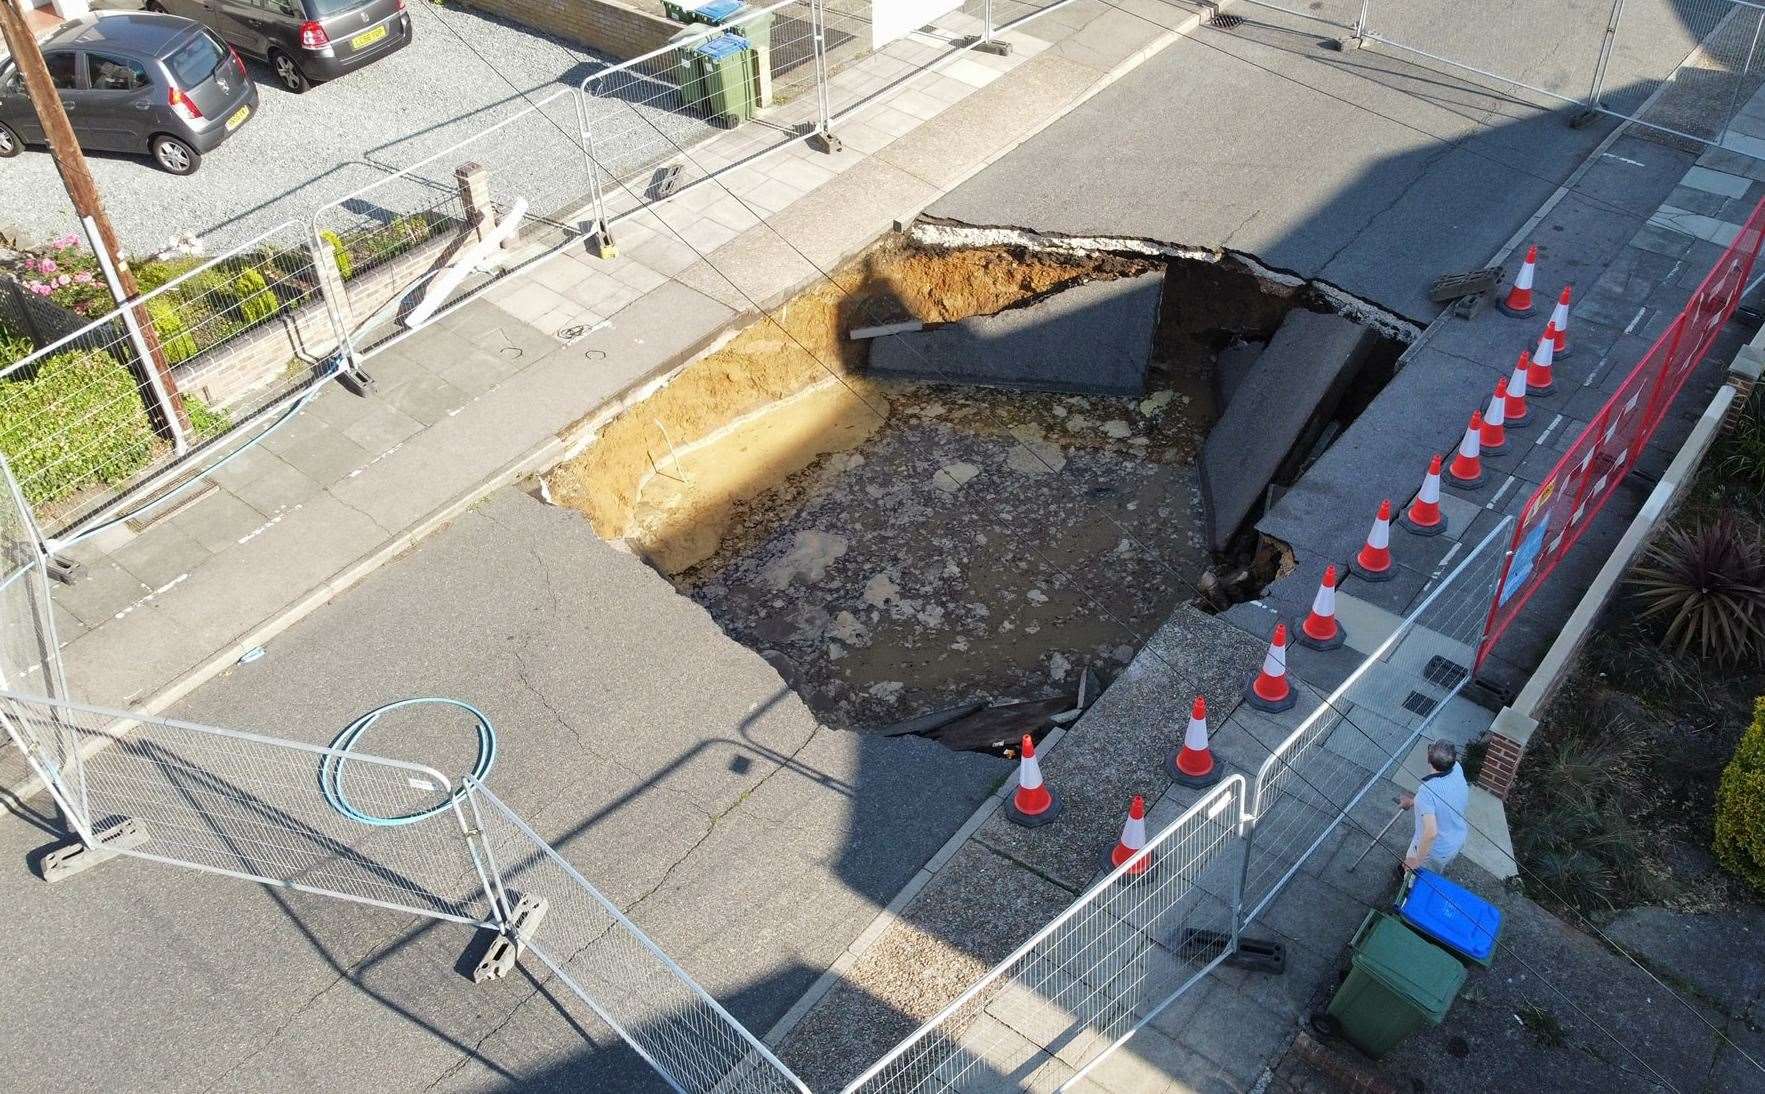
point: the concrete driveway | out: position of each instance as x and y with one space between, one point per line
462 73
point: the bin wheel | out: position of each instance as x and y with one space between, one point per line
1323 1025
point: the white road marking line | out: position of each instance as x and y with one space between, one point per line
1640 312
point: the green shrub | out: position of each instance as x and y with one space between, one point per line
256 301
1708 583
175 339
1740 806
345 267
155 272
76 422
205 420
14 346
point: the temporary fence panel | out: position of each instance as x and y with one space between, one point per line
1102 969
1683 65
30 655
1597 460
622 976
251 807
713 100
1335 13
1552 47
1307 786
392 238
90 422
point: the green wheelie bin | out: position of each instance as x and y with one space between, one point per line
715 79
1398 983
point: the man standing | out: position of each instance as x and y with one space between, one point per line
1439 803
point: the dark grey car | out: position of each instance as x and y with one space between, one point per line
303 41
135 82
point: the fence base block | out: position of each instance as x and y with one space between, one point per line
64 570
1253 954
74 857
499 960
826 142
996 47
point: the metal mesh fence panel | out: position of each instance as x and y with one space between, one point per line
1683 65
251 807
1363 728
390 237
1549 46
30 655
1105 967
623 977
88 422
1598 459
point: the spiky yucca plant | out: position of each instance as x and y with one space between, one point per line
1708 583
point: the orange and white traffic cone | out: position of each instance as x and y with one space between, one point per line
1494 437
1133 838
1467 466
1519 299
1515 415
1033 803
1194 765
1270 691
1538 377
1423 516
1373 561
1320 630
1560 320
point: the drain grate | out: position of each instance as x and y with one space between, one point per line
1443 672
1417 703
1222 21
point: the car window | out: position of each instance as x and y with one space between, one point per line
115 73
192 62
63 67
323 9
12 81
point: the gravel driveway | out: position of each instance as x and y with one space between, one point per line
303 150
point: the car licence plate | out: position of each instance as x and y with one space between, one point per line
367 37
238 118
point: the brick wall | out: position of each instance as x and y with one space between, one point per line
1500 764
623 31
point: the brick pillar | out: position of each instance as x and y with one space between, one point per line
1743 376
1501 763
474 184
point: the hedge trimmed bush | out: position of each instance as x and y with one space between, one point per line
1740 806
175 339
345 266
256 301
77 421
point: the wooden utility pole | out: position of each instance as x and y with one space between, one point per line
82 190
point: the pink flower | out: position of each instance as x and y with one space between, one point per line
47 265
62 243
64 279
40 289
84 277
31 264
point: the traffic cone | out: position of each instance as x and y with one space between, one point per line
1467 467
1270 691
1133 838
1320 630
1515 414
1519 298
1373 562
1538 376
1560 320
1494 437
1032 804
1194 765
1423 516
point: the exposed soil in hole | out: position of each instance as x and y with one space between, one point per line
894 547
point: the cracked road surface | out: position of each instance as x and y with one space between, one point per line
1357 168
667 763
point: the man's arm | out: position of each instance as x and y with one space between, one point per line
1430 830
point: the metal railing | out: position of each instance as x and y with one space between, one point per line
90 423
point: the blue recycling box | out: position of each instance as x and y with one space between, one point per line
1450 914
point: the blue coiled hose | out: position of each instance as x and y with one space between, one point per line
331 770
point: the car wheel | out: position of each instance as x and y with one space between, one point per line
174 155
288 74
10 145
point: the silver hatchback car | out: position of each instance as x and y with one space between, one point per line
135 82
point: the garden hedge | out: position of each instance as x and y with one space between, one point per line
77 421
1740 806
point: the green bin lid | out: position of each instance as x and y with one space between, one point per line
1409 965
